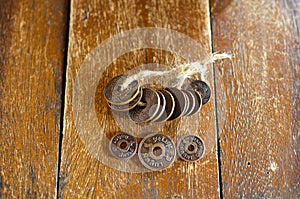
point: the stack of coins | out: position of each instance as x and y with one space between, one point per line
152 105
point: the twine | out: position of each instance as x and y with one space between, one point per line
181 71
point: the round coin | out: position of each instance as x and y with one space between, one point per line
198 102
202 88
180 102
148 112
129 106
114 93
190 148
123 146
169 108
156 152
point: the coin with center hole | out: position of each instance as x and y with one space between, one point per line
191 102
180 102
123 146
156 152
190 148
202 88
128 106
148 111
169 108
198 102
116 93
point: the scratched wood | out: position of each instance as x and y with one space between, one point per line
258 97
32 43
84 172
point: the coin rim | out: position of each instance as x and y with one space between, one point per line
113 106
173 106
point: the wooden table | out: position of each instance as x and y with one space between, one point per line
253 117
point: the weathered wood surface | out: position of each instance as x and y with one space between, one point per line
84 176
258 97
32 43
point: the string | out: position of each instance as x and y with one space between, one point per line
180 71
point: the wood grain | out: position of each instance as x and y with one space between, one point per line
82 174
32 43
258 97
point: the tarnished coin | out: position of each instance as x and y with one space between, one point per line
123 146
128 106
186 104
148 112
202 88
156 152
169 108
198 102
190 148
191 102
180 102
161 107
114 92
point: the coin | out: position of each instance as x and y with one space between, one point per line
180 102
128 106
161 107
190 148
198 102
149 111
115 94
156 152
202 88
169 108
123 146
191 102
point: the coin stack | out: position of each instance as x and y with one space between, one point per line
152 105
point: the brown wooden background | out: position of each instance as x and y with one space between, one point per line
255 109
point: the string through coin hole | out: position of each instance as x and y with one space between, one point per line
157 151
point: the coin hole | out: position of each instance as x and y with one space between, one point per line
157 151
191 147
123 145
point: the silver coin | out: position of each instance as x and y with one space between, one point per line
157 151
123 146
115 94
190 148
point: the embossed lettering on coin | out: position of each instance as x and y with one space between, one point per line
123 146
157 151
190 148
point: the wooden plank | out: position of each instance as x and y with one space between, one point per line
258 97
32 43
82 174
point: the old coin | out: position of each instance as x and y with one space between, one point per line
115 93
156 152
202 88
191 102
190 148
169 108
161 107
123 146
180 102
198 102
129 106
148 112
